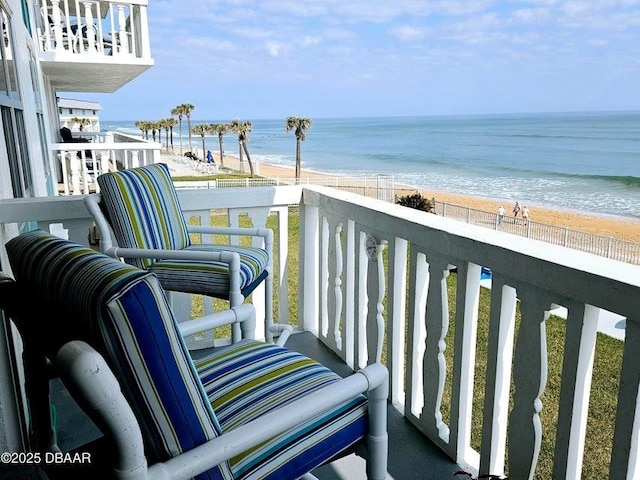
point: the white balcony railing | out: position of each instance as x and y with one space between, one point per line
79 27
395 305
84 161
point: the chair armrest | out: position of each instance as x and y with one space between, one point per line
197 255
249 232
86 374
373 379
244 314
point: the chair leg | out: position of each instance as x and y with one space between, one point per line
378 440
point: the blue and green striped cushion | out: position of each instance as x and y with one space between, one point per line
212 278
248 379
76 280
143 209
144 212
122 312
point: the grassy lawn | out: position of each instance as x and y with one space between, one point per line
606 375
605 378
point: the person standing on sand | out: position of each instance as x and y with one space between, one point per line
525 215
500 214
516 209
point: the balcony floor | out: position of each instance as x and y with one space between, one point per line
411 455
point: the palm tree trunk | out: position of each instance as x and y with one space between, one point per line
297 158
189 127
246 150
180 135
221 151
204 154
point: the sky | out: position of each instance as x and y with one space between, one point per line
253 59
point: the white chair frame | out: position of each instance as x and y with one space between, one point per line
97 390
108 246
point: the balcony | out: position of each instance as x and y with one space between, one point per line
97 152
94 46
379 281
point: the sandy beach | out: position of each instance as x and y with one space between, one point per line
601 225
618 228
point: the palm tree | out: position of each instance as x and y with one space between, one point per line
171 122
299 125
153 126
201 130
81 122
179 112
221 129
243 129
141 125
187 108
167 123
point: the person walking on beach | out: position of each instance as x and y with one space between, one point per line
500 214
516 209
525 215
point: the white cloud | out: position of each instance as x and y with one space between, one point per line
310 40
274 48
407 33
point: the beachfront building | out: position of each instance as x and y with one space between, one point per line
371 280
71 110
46 53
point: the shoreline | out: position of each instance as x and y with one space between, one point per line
608 226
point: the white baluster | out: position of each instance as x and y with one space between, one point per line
123 36
437 325
135 158
529 379
324 277
499 361
74 162
90 32
104 162
57 24
337 336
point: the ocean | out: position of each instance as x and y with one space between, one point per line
587 162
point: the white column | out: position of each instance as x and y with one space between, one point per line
122 31
91 35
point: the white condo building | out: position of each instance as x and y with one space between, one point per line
88 114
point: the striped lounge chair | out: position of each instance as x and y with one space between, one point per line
140 206
250 410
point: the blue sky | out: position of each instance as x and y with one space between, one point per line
348 58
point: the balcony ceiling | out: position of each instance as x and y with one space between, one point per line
78 75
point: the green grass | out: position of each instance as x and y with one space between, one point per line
606 373
606 376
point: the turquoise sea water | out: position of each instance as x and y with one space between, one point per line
587 162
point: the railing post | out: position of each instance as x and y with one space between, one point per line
122 31
91 36
310 267
57 24
74 162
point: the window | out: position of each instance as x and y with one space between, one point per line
12 116
37 96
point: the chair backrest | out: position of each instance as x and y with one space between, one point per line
143 209
122 312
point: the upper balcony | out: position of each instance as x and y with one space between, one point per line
474 364
93 46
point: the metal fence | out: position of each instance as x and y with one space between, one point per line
608 247
380 186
